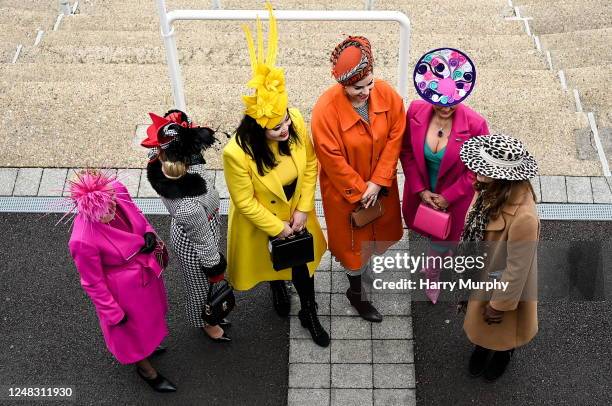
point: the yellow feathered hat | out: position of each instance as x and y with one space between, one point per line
268 105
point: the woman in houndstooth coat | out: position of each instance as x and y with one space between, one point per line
176 172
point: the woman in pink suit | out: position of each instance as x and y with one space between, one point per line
116 252
436 128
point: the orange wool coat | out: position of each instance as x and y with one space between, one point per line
352 152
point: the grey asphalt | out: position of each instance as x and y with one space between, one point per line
49 334
570 360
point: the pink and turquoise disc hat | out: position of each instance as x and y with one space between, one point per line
444 76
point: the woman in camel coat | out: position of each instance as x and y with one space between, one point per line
503 215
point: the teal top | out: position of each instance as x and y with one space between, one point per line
432 161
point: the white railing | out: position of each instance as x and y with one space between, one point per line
167 32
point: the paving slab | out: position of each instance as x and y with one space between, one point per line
28 180
308 397
351 397
553 189
578 189
297 331
353 328
535 183
394 376
306 351
602 193
316 376
52 182
7 181
392 351
145 189
351 376
351 351
131 179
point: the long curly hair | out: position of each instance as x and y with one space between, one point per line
496 193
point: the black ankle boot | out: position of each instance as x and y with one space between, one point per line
498 364
310 320
364 307
478 361
280 298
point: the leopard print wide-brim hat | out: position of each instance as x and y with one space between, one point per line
498 156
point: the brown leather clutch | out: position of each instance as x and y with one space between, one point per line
361 216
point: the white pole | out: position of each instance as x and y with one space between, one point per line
174 68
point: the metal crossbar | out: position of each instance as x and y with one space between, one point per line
167 31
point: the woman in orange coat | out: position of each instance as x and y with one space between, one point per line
357 128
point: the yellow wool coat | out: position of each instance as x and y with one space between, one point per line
258 208
513 237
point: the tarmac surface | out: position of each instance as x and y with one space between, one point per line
569 362
49 334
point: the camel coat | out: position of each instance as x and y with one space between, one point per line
258 208
515 233
352 152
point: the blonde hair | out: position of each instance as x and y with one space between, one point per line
172 170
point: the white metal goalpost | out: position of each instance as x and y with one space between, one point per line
167 31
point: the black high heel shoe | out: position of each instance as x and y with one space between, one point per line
160 350
159 383
223 339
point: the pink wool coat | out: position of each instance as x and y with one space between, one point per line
119 285
455 181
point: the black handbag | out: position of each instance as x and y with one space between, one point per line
298 249
221 301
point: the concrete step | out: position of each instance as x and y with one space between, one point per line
469 24
315 54
298 39
112 73
579 57
577 39
593 84
7 52
568 15
27 18
486 97
19 35
47 6
104 135
144 7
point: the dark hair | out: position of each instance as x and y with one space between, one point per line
497 192
188 141
251 137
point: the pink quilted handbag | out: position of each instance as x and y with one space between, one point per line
431 222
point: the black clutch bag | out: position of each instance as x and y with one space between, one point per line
221 301
292 251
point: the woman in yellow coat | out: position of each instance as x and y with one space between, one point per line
271 172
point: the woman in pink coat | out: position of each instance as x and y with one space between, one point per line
115 251
436 128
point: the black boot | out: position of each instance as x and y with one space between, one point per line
478 361
159 383
280 298
310 320
497 365
363 306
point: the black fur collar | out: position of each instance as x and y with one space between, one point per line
190 185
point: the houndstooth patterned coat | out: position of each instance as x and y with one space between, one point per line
195 230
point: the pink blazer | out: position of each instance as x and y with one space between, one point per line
455 181
121 281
